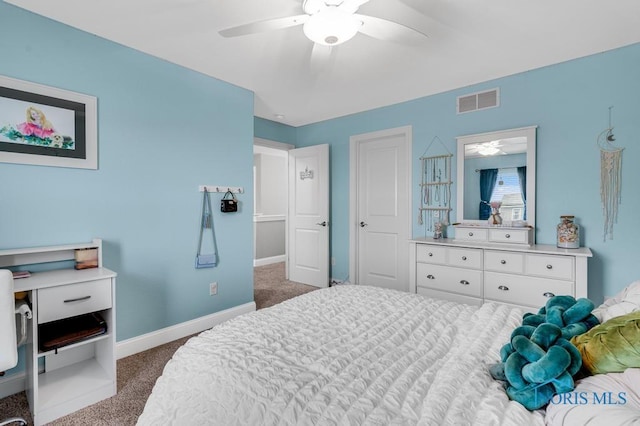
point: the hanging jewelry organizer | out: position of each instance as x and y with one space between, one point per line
610 178
435 188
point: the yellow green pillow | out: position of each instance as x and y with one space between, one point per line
612 346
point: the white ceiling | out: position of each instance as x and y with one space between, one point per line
470 41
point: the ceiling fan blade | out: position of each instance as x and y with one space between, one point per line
320 55
351 6
262 26
311 7
384 29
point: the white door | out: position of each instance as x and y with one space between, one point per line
309 215
382 218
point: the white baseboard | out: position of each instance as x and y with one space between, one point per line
12 384
269 260
141 343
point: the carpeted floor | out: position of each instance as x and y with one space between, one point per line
138 373
270 286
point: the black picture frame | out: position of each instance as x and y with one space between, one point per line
42 125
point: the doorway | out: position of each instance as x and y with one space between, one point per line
270 176
291 210
380 208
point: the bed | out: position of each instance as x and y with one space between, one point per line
345 355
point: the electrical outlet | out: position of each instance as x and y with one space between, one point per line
333 261
213 289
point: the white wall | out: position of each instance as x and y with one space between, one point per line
270 167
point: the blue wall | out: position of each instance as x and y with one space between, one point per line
163 130
569 104
274 131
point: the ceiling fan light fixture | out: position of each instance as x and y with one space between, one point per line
331 26
488 150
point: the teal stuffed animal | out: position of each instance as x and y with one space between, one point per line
539 361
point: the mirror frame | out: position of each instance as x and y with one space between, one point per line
530 134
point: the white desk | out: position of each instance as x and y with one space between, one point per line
75 376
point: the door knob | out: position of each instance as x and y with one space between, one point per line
363 224
323 223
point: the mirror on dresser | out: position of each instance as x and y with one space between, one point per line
497 167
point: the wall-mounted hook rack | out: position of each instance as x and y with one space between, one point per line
221 188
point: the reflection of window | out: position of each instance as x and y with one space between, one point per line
516 213
507 190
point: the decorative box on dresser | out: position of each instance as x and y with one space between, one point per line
66 379
474 272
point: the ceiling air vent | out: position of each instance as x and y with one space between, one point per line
478 101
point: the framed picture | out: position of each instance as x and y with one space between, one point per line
47 126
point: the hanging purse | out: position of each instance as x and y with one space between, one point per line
229 205
206 260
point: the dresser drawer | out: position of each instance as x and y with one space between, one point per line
465 257
471 234
504 261
445 278
73 299
458 298
431 254
559 267
514 236
523 290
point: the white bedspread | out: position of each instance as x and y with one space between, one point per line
346 355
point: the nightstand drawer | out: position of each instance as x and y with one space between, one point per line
523 290
431 254
444 278
73 299
559 267
465 257
504 261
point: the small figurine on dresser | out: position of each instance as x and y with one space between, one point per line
437 233
495 218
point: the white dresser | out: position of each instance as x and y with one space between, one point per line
474 272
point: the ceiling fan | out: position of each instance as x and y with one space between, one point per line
333 22
484 148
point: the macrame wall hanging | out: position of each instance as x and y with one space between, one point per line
610 178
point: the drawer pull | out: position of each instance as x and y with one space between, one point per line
464 257
471 234
548 294
549 266
464 282
78 299
503 288
503 261
430 254
431 277
507 235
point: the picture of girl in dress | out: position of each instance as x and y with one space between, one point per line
36 124
37 130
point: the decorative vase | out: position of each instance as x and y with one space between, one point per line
568 233
495 218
